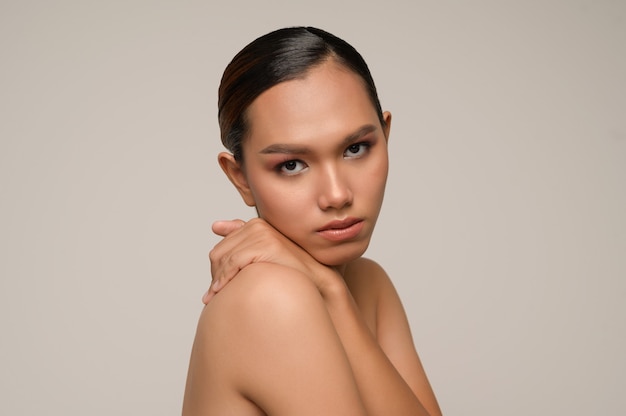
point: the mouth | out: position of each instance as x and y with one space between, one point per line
340 230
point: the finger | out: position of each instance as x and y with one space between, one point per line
208 295
229 268
211 292
221 252
218 283
244 244
223 228
243 236
227 262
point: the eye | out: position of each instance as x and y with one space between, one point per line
291 167
357 150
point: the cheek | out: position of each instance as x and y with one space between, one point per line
277 202
375 180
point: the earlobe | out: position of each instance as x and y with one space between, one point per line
387 125
236 175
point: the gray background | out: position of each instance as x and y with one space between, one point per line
504 225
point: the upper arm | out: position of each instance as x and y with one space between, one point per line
268 337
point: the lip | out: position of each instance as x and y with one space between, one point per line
341 230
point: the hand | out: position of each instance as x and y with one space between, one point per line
253 242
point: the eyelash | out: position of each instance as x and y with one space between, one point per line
362 145
365 146
281 166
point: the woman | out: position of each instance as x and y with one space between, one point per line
296 321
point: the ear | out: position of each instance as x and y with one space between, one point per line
387 126
237 176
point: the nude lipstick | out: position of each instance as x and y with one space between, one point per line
341 230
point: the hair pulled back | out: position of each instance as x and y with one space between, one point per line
281 55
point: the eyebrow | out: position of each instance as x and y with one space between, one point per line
301 150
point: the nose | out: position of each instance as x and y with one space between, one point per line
334 190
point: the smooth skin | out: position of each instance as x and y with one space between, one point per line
295 322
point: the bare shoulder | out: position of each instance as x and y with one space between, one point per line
369 266
365 277
392 328
268 332
369 285
369 280
266 286
263 299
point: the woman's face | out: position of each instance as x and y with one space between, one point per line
315 162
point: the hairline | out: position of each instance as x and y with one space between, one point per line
331 57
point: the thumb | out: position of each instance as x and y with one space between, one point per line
223 228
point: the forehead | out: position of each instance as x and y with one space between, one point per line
329 102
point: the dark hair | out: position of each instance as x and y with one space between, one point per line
281 55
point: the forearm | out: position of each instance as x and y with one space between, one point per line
382 388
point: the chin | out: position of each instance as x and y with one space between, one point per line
341 254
